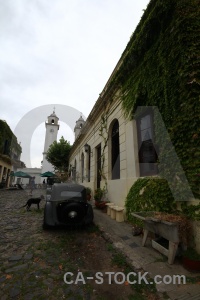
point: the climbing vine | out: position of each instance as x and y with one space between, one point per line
149 194
191 211
160 67
7 141
5 158
154 194
103 132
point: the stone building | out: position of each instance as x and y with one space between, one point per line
104 153
159 68
10 153
33 172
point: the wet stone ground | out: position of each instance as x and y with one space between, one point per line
33 261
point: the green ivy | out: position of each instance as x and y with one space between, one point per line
6 134
5 158
192 211
160 67
103 133
149 194
154 194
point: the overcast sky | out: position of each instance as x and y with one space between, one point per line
59 52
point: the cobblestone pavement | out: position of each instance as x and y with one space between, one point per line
19 232
33 261
149 260
30 266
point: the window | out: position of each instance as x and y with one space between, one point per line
82 167
98 165
89 163
74 171
115 154
6 149
69 194
147 153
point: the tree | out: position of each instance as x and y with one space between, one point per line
58 155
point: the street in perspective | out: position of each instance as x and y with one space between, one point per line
100 150
39 264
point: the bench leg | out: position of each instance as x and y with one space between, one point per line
119 216
108 210
113 214
172 252
145 237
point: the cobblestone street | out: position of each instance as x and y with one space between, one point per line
33 261
20 231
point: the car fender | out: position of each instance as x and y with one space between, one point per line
48 214
90 215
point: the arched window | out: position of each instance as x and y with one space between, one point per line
74 171
82 167
115 154
147 152
88 162
52 121
98 165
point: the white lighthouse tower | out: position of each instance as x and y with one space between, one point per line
52 128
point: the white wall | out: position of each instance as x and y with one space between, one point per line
118 188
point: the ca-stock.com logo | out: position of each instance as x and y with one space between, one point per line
121 278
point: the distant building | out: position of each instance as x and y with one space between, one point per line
52 128
33 172
10 153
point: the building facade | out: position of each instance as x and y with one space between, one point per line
104 154
116 146
10 153
33 172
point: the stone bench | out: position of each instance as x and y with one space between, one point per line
109 208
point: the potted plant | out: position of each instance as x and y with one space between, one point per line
88 193
191 259
98 195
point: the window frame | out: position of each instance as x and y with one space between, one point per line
139 139
115 173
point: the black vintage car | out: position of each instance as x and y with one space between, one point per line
66 204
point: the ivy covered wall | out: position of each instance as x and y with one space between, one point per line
160 67
8 141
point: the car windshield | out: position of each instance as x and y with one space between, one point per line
70 194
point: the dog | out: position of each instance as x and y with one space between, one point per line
33 201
